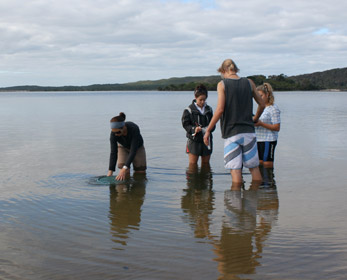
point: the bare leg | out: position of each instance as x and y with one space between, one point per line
236 176
255 185
236 186
192 168
205 160
256 175
193 159
268 164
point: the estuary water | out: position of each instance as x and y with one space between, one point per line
60 220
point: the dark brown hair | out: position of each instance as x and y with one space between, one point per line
119 118
200 90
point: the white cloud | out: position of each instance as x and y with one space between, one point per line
81 42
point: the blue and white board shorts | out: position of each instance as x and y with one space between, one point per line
241 150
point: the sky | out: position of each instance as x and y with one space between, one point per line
84 42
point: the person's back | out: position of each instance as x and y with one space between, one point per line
237 116
235 109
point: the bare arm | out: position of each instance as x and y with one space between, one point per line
259 100
273 127
220 107
218 113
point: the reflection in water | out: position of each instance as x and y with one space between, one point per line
250 215
268 177
125 207
198 199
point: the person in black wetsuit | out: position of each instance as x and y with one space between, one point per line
126 147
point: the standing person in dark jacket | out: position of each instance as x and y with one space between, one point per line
235 109
126 147
195 119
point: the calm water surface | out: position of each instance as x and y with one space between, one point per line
59 221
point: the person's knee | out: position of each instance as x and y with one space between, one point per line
193 158
205 159
140 169
268 164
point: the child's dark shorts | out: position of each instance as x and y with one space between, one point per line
198 149
266 150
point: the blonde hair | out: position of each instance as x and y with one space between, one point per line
267 89
228 64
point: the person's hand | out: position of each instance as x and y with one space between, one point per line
197 129
258 123
109 173
207 138
121 175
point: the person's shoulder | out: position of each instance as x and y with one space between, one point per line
248 80
189 109
274 107
221 85
131 125
192 106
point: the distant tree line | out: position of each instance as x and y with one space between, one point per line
279 83
187 86
329 79
284 83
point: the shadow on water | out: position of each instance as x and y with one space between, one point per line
126 200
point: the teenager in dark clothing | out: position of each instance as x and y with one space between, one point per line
196 117
126 147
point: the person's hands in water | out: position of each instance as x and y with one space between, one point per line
121 175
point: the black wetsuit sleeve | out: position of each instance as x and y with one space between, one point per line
187 122
114 153
134 145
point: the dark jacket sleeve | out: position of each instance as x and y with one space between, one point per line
135 144
114 152
187 122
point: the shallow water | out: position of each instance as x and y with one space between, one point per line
59 220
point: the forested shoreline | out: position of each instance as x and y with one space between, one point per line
334 79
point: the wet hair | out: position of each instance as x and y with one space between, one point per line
200 90
267 89
228 64
119 118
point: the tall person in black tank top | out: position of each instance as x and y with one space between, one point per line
234 109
